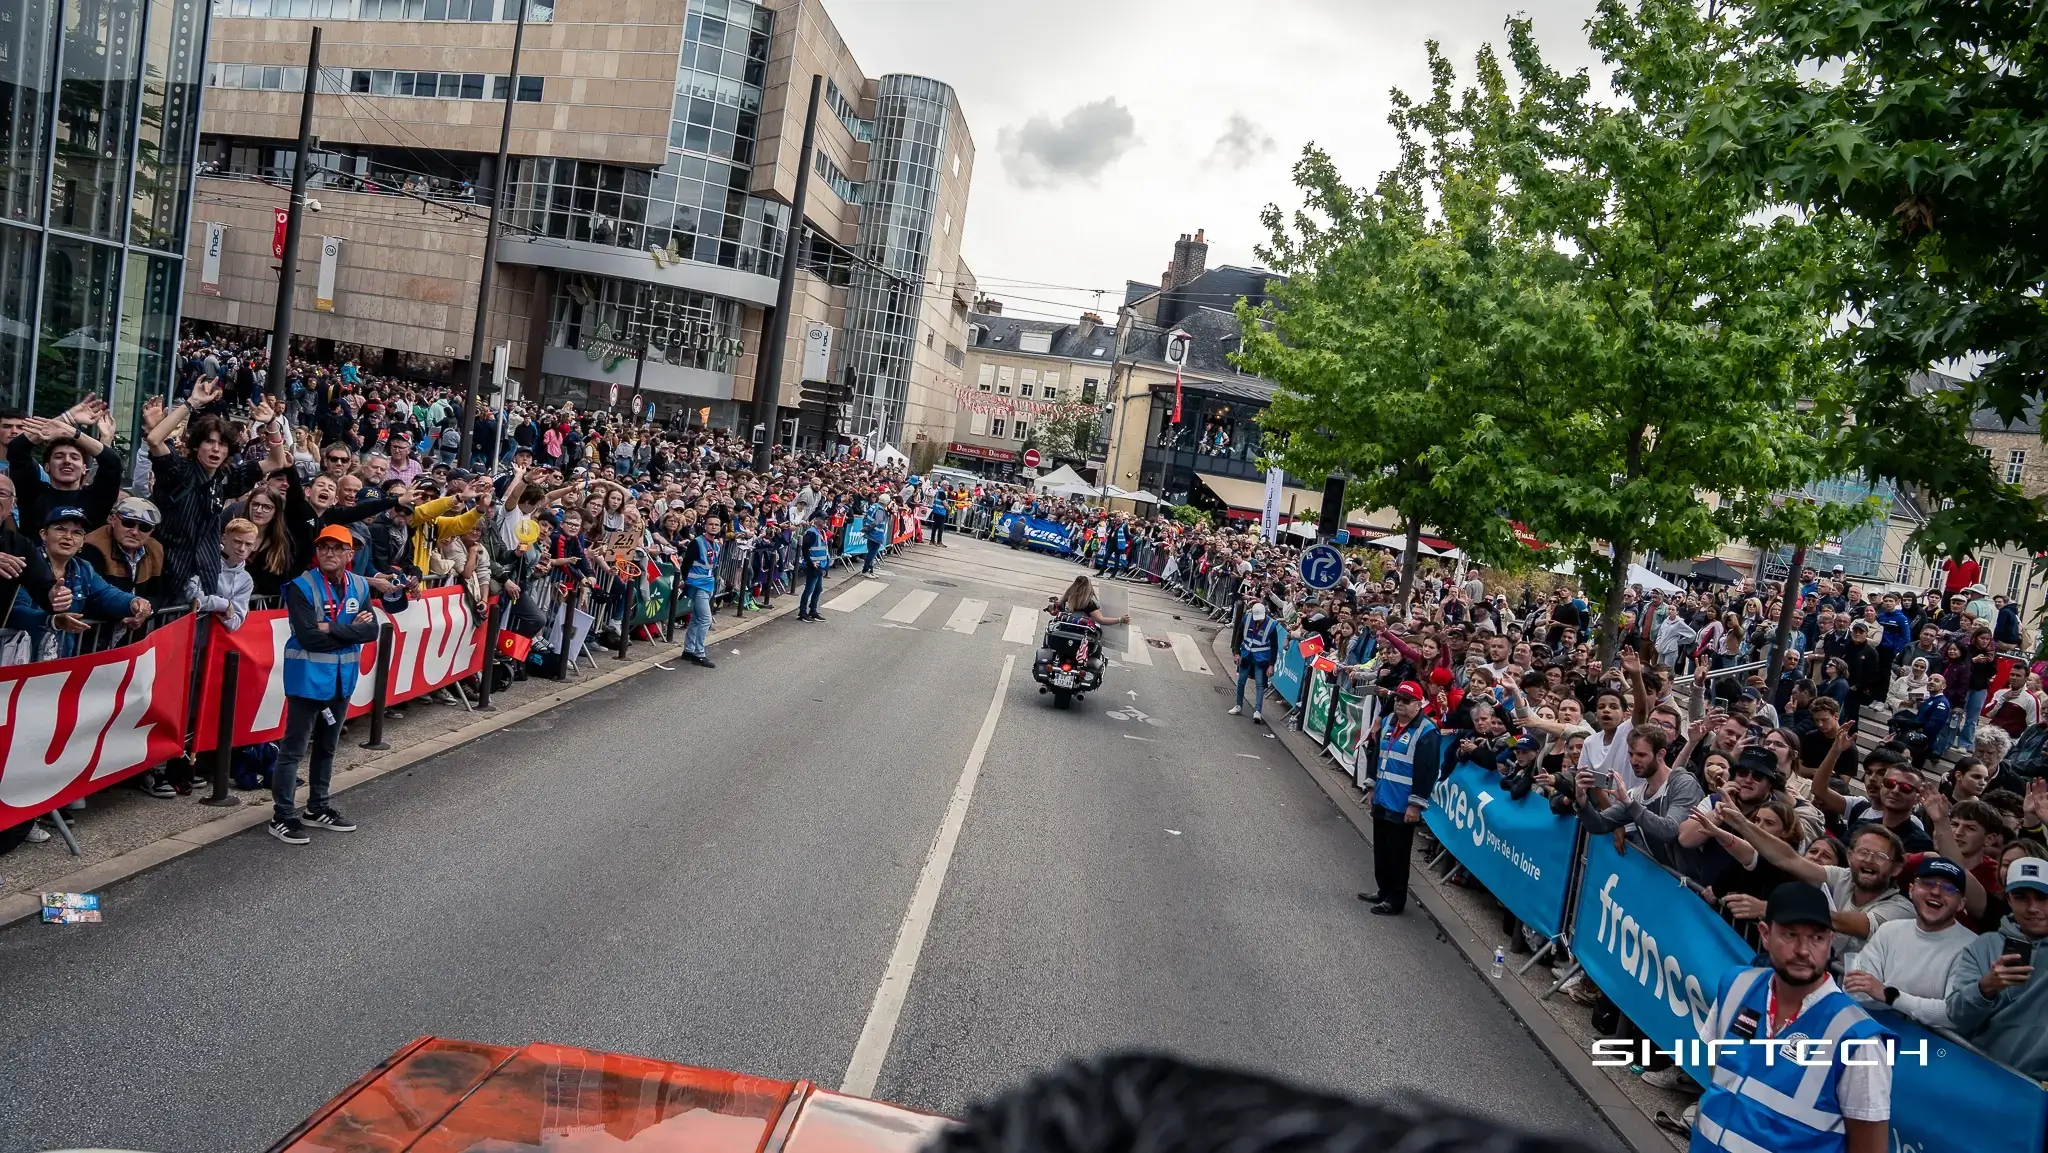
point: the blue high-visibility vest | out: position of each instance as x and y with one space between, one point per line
1397 764
1260 639
325 676
816 550
1767 1100
704 566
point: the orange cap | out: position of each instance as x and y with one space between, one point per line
337 533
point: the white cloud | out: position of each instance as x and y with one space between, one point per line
1242 144
1087 140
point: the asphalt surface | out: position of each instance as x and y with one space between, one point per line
711 866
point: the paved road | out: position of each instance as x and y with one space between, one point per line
713 866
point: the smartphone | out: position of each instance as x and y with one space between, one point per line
2018 949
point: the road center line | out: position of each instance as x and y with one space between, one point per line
879 1032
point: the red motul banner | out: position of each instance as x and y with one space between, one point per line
437 641
77 725
277 233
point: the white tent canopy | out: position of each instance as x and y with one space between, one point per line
1399 543
1063 475
889 454
1142 497
1651 582
1080 491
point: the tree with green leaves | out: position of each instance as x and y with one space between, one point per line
1068 433
1654 397
1925 124
1373 338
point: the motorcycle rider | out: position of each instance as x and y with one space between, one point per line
1079 600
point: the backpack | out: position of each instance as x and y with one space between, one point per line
251 765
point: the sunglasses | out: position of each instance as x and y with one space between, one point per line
137 525
1749 772
338 460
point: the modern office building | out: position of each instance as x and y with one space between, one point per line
655 152
99 117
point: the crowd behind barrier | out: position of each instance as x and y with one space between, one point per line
563 534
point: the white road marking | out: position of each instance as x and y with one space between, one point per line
967 617
879 1031
856 596
1023 622
1137 653
914 602
1129 737
1188 653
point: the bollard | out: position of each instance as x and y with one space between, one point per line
385 635
668 631
625 637
483 694
224 735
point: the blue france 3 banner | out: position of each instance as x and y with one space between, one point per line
1520 850
1658 951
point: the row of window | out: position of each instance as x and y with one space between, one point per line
1031 382
695 208
850 191
373 82
982 424
475 11
847 113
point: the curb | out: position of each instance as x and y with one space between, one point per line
1628 1122
133 863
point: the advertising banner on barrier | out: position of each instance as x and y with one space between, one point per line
855 542
1043 534
1287 672
1520 850
1315 720
1345 714
436 642
77 725
1659 951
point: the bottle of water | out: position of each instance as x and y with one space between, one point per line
1500 961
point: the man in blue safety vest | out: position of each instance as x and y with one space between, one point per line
329 608
700 580
876 525
1256 653
1832 1094
1410 754
817 561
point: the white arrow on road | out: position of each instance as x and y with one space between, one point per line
1133 692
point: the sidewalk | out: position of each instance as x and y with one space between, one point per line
123 832
1472 921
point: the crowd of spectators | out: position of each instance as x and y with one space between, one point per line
556 507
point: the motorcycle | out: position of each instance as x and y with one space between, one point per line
1070 659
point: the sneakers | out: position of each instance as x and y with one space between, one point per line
290 832
1236 709
37 834
156 786
330 820
1258 716
1670 1077
700 659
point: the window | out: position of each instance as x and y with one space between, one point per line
1088 386
845 189
1023 431
2016 578
954 356
1003 379
956 164
977 424
995 427
847 113
1050 391
1027 383
2015 465
988 377
949 224
1040 342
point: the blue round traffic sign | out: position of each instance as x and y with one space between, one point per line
1322 566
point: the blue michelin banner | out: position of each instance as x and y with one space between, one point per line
856 542
1658 951
1519 850
1043 534
1288 673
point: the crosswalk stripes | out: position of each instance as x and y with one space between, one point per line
1138 653
914 602
856 596
1188 653
1023 623
967 617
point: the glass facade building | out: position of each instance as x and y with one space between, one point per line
99 127
696 205
885 307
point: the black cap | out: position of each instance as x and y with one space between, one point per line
1798 903
1942 867
1760 761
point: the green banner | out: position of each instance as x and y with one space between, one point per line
1316 717
652 609
1344 725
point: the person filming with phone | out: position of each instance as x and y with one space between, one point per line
1997 993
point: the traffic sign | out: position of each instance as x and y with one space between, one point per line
636 403
1321 566
1031 458
615 396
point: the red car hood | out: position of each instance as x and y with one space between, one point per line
442 1096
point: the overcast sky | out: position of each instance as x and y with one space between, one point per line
1104 130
